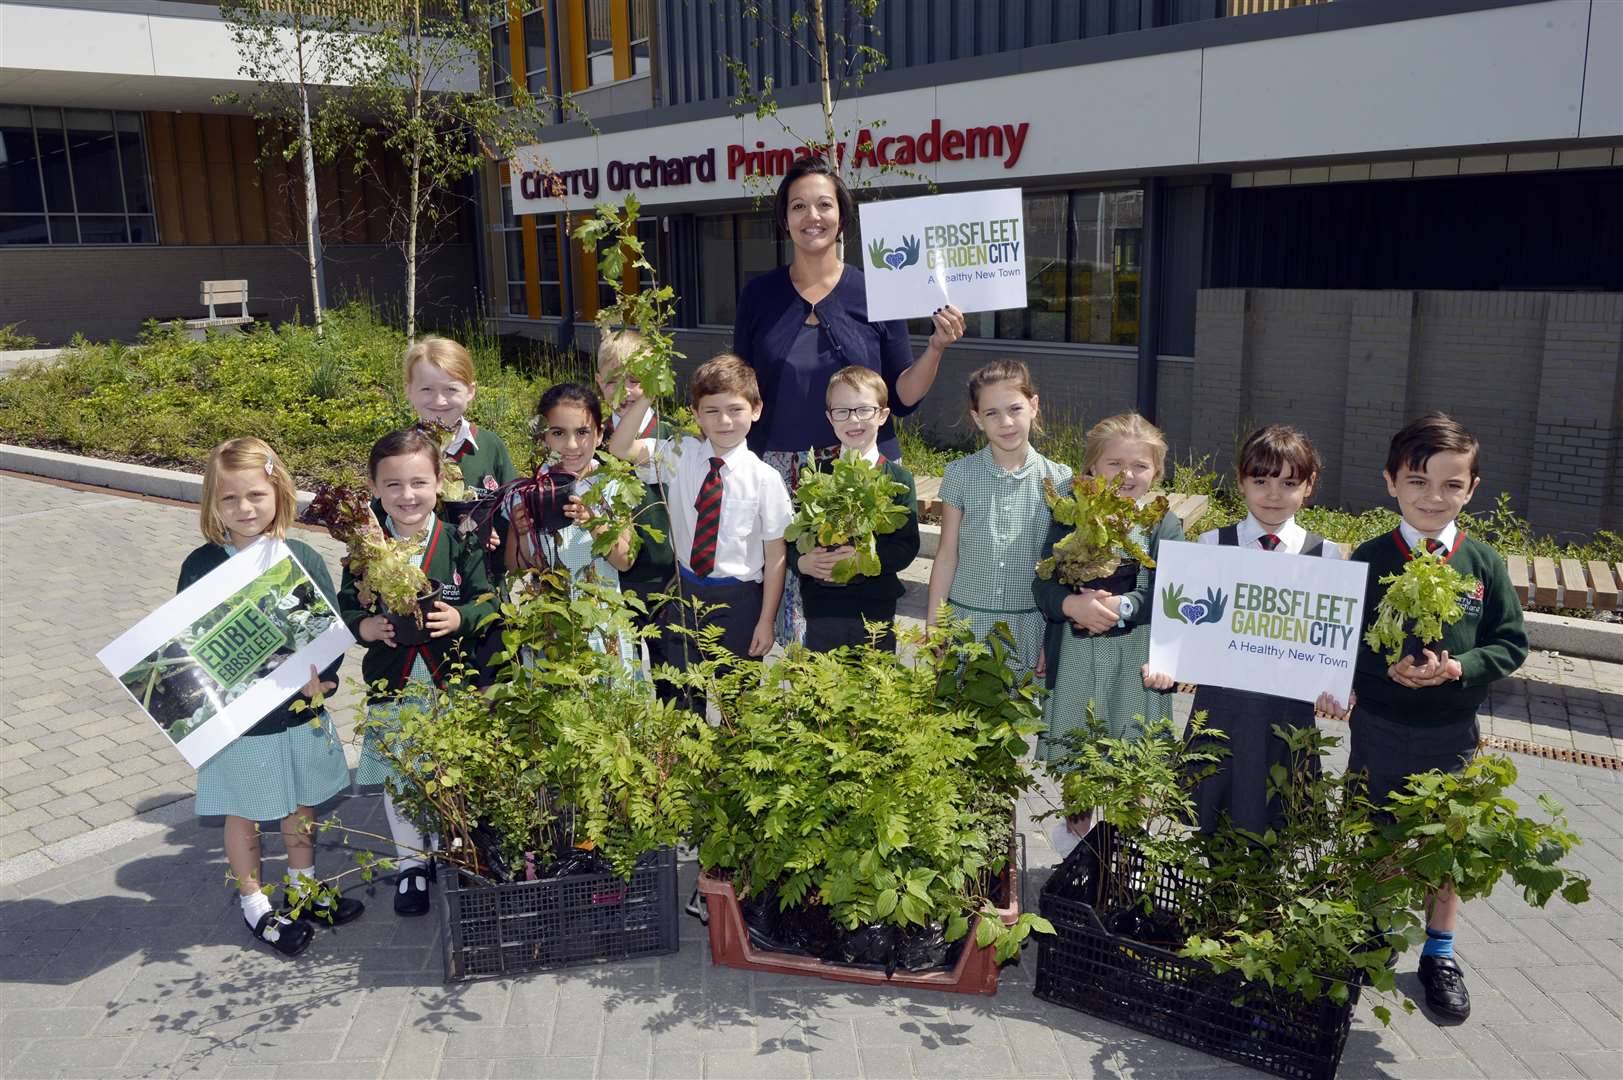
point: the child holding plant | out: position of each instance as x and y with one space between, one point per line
404 475
729 509
1416 715
993 515
291 760
837 611
1275 471
570 423
1098 638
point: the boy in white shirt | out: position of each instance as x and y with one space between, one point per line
729 509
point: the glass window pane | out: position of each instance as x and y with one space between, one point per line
602 68
501 60
63 229
718 279
132 153
757 245
552 300
648 233
1104 288
535 53
639 20
143 229
103 229
94 151
516 304
1125 214
22 230
514 239
546 239
53 158
1047 268
19 164
598 23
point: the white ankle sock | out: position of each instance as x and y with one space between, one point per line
255 906
302 876
408 839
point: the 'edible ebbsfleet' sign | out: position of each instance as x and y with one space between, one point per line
1286 625
968 250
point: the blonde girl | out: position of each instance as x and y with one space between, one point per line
291 761
994 516
1098 641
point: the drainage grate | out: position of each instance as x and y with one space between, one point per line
1553 753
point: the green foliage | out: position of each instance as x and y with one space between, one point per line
13 338
385 567
320 401
1421 600
612 234
615 500
879 786
1292 908
853 503
1102 521
453 487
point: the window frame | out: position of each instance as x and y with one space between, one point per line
49 217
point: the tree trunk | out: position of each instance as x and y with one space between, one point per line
820 28
312 218
411 246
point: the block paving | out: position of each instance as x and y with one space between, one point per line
132 960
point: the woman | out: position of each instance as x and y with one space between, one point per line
799 324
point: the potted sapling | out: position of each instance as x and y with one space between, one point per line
1421 601
1102 551
852 504
385 568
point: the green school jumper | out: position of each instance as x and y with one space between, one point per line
1489 640
459 570
868 597
486 465
284 761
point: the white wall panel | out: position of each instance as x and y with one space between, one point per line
1506 75
1603 72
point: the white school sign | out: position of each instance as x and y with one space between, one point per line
968 250
1286 625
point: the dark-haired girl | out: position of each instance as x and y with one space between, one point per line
404 472
569 430
799 324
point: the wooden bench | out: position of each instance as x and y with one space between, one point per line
212 293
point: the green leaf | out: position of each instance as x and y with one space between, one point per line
885 903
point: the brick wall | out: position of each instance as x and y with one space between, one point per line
108 292
1537 376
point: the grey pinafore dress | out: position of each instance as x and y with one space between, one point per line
1238 789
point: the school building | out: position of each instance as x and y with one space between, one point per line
1334 213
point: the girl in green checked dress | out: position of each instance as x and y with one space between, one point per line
1098 641
291 761
994 515
404 470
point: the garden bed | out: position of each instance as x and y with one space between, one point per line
514 927
1088 964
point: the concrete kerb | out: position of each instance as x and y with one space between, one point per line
1553 633
20 868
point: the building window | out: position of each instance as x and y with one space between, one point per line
639 37
733 248
501 61
1082 272
512 234
599 43
535 55
552 295
74 176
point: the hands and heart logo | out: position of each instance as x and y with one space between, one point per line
1193 612
894 258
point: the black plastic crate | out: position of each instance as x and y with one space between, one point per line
521 926
1144 986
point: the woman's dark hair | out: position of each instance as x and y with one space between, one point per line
572 394
404 443
814 165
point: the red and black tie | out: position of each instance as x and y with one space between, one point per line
705 530
1433 545
1268 541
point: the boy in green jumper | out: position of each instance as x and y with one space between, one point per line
1411 717
857 405
653 571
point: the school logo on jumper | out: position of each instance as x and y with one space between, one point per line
1193 612
896 258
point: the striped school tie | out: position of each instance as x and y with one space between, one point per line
708 526
1433 545
1268 541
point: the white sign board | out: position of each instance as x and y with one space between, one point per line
211 663
968 250
1286 625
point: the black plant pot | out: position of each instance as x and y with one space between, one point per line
1122 581
454 511
545 501
1415 649
406 629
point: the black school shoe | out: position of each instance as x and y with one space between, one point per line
1446 994
413 899
346 910
292 936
